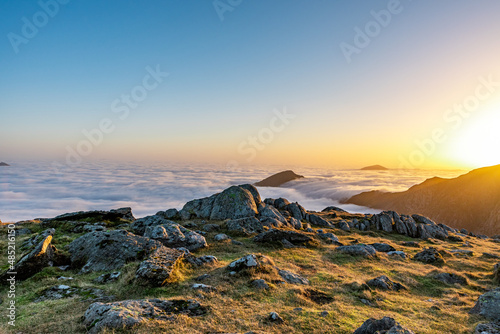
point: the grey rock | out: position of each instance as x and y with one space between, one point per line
358 250
221 237
202 260
398 253
344 226
330 238
174 235
203 287
455 238
93 228
411 244
158 268
296 210
383 221
23 231
211 227
384 283
270 212
333 208
249 261
293 278
260 284
275 235
233 203
318 221
449 278
198 208
104 251
488 328
411 226
253 191
271 223
385 325
463 252
169 214
490 256
65 291
382 247
275 317
295 223
107 278
112 215
488 305
129 313
245 226
281 203
429 255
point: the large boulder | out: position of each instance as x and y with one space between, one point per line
129 313
270 212
383 247
233 203
42 254
411 225
488 305
296 210
245 226
429 229
198 208
159 267
385 325
383 221
105 251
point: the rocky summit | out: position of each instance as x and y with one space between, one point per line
236 263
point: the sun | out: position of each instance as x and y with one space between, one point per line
477 140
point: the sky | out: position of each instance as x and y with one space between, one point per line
405 84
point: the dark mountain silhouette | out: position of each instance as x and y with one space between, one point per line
375 167
279 179
470 201
4 164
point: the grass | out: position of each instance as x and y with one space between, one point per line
238 307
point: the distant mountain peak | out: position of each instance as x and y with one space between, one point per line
375 167
279 179
4 164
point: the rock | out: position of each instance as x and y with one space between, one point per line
318 221
169 214
293 278
233 203
429 229
488 305
490 256
211 227
462 252
271 223
488 328
202 277
275 317
496 273
221 237
202 260
281 203
245 226
107 278
358 250
42 254
295 223
249 261
384 283
198 208
330 238
112 215
455 238
449 278
411 244
129 313
260 284
333 208
296 210
319 297
344 226
203 287
253 191
411 226
385 325
382 247
65 291
158 268
275 235
324 314
383 221
270 212
174 235
398 253
104 251
287 244
429 255
93 228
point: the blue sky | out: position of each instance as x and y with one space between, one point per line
227 76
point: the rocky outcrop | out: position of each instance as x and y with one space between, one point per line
358 250
159 267
429 255
385 325
129 313
318 221
112 215
104 251
174 235
279 179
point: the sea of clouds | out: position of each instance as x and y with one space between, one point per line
36 190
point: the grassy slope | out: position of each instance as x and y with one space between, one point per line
238 307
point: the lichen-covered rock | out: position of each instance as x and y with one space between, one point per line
233 203
488 328
245 226
488 305
158 268
384 283
318 221
293 278
358 250
385 325
174 235
129 313
169 214
429 229
296 210
250 261
198 208
104 251
429 255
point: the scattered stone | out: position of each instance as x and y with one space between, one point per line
429 255
271 213
275 235
449 278
203 287
65 291
331 238
385 325
211 227
462 252
107 278
245 226
250 261
324 314
201 260
202 277
358 250
382 247
158 269
129 313
293 278
275 317
384 283
397 253
488 305
221 237
260 284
